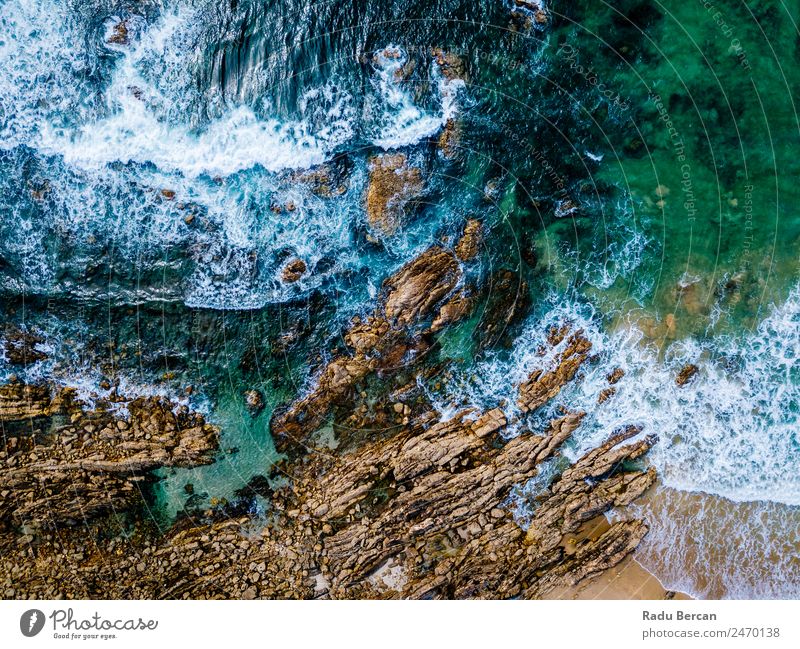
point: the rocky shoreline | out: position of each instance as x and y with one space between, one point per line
407 504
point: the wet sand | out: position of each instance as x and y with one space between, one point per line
716 548
626 580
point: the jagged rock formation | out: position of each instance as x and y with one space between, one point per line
419 510
419 515
469 244
383 340
542 385
62 463
293 270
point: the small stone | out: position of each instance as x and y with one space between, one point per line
255 401
294 270
686 374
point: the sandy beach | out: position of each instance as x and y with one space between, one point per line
626 580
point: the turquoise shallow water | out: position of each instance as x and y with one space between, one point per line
633 162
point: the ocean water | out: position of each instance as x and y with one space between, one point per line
633 164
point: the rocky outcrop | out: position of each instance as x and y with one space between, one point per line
418 286
420 509
393 184
529 14
469 244
64 463
507 303
421 514
293 270
450 64
22 402
543 385
456 308
589 488
687 373
383 341
119 34
22 347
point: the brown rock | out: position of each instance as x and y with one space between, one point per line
450 139
469 244
686 374
21 346
392 186
542 385
419 285
457 307
422 508
68 463
451 65
293 270
119 35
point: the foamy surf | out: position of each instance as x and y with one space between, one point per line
728 441
401 122
139 125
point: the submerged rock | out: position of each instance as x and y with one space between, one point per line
22 347
507 303
254 401
327 180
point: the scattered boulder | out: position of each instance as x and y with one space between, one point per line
293 270
686 374
469 244
393 185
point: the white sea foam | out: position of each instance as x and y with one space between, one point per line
136 128
44 66
733 431
401 122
